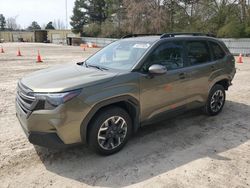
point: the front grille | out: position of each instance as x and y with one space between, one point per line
25 99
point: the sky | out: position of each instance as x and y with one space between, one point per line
41 11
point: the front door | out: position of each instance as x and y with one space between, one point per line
160 93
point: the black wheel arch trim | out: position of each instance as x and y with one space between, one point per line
214 82
125 98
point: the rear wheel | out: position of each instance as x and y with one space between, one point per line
216 100
110 130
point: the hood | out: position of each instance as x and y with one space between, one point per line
65 78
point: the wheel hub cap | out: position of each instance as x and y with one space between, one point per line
112 133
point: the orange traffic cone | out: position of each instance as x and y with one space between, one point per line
39 59
240 59
2 50
19 52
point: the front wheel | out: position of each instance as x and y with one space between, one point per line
216 100
109 130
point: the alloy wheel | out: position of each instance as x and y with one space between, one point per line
217 101
112 133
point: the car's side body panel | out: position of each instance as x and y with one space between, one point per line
168 92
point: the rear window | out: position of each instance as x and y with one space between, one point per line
198 52
217 51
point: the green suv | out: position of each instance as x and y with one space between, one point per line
130 83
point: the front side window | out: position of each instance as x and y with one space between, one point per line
120 55
198 52
217 51
169 55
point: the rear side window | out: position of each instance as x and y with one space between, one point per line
217 51
198 52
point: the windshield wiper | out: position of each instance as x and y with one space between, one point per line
96 66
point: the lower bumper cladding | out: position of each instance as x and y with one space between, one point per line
48 140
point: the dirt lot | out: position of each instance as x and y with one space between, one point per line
192 150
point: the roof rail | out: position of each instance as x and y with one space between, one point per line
139 35
167 35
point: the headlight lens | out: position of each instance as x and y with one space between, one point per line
52 100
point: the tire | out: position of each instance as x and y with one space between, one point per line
216 100
109 131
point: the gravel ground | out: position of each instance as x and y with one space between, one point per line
192 150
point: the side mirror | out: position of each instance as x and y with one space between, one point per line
157 69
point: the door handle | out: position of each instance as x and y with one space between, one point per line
182 75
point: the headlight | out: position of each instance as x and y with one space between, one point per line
52 100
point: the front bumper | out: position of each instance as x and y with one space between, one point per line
48 140
58 128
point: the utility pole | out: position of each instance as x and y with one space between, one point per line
66 9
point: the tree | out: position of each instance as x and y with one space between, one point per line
79 18
87 12
146 16
96 9
92 30
34 26
117 17
11 24
50 26
58 24
2 22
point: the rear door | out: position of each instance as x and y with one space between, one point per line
225 63
200 68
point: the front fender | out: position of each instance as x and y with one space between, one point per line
125 98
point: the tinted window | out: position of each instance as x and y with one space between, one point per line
169 55
217 51
198 52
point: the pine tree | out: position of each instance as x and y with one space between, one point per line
2 22
34 26
97 11
79 18
50 26
88 12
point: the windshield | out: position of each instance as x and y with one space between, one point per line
120 55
